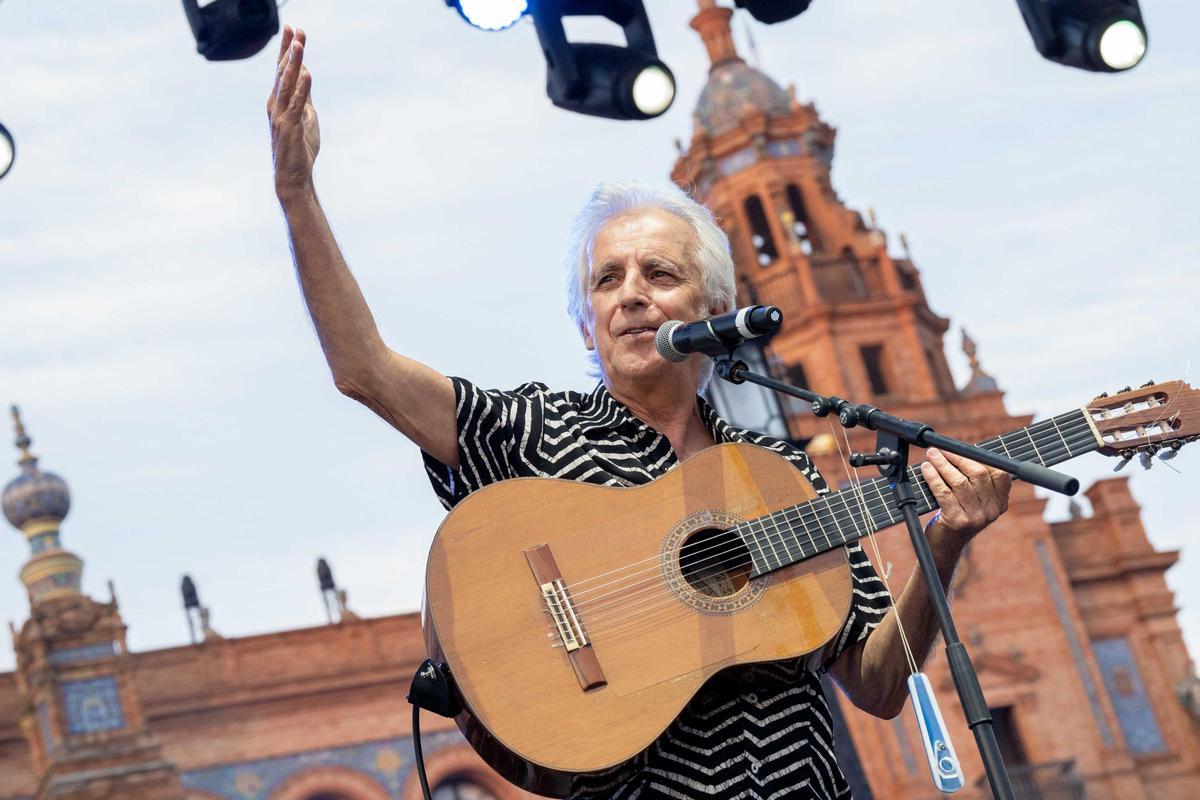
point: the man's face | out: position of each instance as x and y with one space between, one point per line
641 277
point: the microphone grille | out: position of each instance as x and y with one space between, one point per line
662 342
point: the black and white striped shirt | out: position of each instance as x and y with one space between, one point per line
753 732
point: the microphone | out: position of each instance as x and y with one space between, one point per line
716 336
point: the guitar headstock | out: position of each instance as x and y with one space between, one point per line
1153 418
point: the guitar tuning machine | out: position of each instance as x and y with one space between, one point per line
1126 457
1147 383
1145 458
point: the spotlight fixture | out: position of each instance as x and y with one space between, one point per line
772 11
8 151
490 15
226 30
1096 35
603 80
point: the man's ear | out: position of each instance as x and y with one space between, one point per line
588 341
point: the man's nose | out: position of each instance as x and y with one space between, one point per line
634 289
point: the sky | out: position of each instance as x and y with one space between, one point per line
153 334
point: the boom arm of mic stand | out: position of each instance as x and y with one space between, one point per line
916 432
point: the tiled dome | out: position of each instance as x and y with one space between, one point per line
733 88
34 494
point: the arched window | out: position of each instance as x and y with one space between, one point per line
800 227
760 231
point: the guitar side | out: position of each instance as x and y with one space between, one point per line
656 637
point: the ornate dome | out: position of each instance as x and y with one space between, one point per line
33 494
733 88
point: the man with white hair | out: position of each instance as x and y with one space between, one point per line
637 258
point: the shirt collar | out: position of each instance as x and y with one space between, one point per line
608 413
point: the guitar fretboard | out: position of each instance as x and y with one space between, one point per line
832 520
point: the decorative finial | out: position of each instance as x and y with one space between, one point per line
1074 509
871 216
904 244
980 382
22 441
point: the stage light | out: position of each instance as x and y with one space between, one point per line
653 90
490 15
603 80
8 151
772 11
231 29
1096 35
1122 44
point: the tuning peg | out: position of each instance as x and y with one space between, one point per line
1170 451
1145 458
1102 394
1126 389
1126 455
1147 383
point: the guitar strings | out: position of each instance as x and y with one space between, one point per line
620 613
1072 428
598 619
837 517
732 553
1076 427
1080 434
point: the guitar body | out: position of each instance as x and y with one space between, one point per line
662 597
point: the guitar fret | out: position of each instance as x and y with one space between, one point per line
886 505
798 522
1035 447
774 554
760 564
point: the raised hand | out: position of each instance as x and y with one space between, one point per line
295 133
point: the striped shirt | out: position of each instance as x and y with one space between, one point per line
752 732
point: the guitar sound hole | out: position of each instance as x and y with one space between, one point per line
715 563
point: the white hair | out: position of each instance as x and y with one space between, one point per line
709 249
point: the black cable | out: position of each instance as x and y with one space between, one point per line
416 732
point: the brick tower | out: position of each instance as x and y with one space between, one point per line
81 714
1054 617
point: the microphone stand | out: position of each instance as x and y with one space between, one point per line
894 436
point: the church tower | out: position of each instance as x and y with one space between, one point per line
82 716
1054 643
857 323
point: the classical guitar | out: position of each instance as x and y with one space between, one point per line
578 620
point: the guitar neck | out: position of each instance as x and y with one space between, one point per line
833 520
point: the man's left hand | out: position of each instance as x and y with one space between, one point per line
971 495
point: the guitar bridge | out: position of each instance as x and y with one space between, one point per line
570 630
558 602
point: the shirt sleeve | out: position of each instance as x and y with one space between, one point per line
491 426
